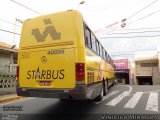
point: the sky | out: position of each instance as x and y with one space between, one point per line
105 17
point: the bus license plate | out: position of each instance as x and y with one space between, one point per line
45 83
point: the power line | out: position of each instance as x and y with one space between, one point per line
143 9
9 22
138 50
132 32
9 32
148 50
129 37
123 55
26 7
143 28
128 30
151 28
109 5
129 54
144 17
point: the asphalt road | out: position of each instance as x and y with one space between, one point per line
120 99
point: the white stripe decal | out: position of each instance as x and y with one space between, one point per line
108 96
134 100
118 99
152 104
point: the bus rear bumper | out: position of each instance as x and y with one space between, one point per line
81 92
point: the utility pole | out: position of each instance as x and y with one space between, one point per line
14 40
14 28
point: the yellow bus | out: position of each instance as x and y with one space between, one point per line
60 57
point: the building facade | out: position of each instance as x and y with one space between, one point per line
8 58
147 70
8 62
122 71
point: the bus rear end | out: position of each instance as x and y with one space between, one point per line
48 62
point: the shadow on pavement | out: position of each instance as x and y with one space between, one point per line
69 109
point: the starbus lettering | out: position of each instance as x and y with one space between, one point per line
45 74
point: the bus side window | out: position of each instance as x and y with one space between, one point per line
93 40
103 53
98 48
87 37
106 56
108 59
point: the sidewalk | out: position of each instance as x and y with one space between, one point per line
6 97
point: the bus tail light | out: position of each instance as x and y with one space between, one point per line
17 73
80 71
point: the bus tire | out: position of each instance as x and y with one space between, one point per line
105 87
100 96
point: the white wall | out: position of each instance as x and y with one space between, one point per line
4 58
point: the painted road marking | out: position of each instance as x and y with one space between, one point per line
108 96
134 100
152 104
116 100
130 89
16 101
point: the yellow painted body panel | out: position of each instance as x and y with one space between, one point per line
100 68
63 23
59 40
60 73
50 47
110 72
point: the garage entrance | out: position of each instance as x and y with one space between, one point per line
144 80
122 77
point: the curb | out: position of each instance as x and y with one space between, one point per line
10 99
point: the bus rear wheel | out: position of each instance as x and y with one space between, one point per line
105 87
100 96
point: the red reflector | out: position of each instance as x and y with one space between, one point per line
80 71
17 73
